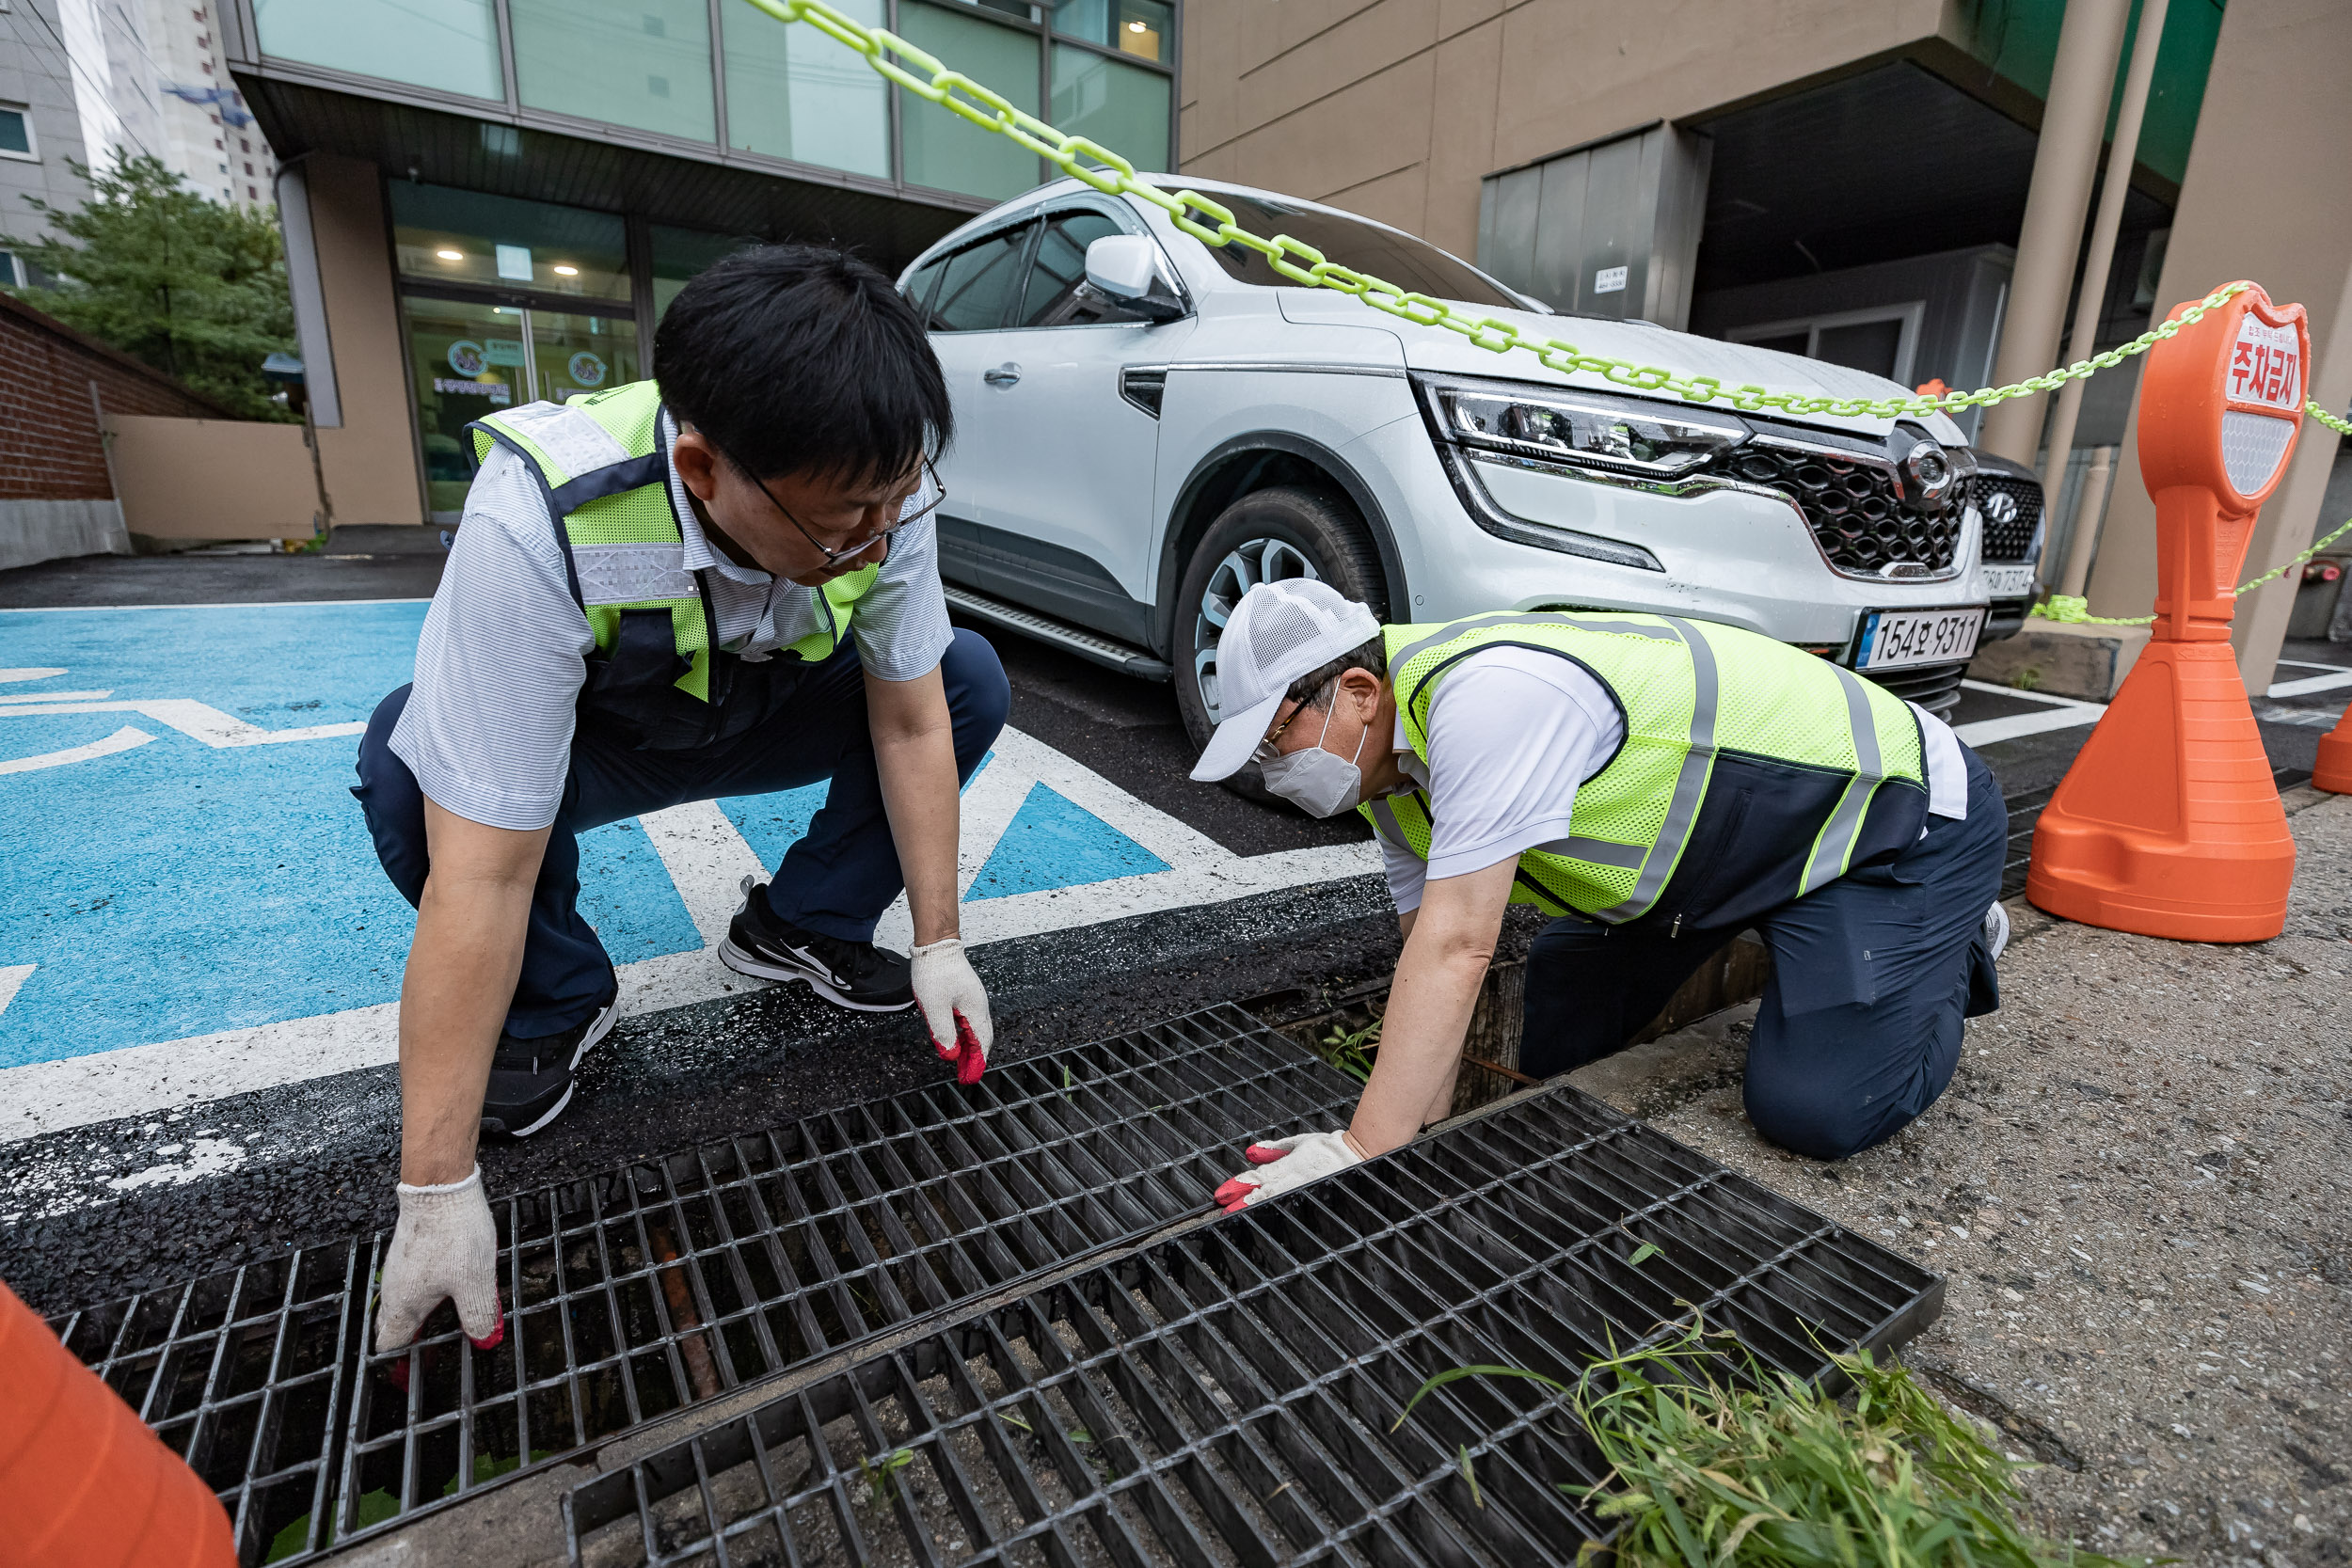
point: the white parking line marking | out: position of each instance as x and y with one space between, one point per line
197 721
122 740
8 700
13 978
2305 685
31 675
707 860
2058 713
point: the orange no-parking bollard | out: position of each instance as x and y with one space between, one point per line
83 1482
2333 771
2168 823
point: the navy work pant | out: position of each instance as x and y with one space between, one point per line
1860 1026
836 881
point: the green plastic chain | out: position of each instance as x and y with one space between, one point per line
991 111
2067 607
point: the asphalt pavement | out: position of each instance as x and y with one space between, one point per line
219 871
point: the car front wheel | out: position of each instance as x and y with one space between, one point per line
1266 536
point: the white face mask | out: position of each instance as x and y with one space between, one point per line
1315 779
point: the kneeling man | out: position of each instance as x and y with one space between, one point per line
1657 785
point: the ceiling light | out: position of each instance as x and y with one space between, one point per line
565 269
451 255
1137 27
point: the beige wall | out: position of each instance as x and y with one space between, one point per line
213 479
1397 109
371 461
2264 198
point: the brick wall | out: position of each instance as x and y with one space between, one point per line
49 440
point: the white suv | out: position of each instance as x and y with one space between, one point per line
1146 426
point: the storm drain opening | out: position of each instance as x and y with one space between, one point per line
244 1374
1233 1395
650 1288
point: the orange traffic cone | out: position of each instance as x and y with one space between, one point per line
83 1484
2333 771
2168 823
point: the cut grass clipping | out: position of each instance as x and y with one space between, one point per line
1767 1470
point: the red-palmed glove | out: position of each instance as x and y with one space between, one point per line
954 1005
1284 1164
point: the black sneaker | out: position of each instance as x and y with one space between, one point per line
531 1080
854 973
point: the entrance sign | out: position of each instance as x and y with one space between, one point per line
2168 824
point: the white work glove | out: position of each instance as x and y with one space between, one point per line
1284 1164
445 1247
950 996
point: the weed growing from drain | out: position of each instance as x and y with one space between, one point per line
882 1484
1763 1470
1350 1051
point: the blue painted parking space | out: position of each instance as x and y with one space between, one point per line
185 862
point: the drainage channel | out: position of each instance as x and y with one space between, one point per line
640 1292
1233 1394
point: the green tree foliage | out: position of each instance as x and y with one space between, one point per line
190 286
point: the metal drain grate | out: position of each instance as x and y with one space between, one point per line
243 1374
1228 1396
664 1284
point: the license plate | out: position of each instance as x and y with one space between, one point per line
2008 582
1893 639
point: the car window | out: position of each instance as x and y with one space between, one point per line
919 282
1055 295
1400 259
980 284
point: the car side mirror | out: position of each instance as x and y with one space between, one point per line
1126 268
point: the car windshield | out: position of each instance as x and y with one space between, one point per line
1399 259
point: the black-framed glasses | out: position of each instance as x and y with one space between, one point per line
856 547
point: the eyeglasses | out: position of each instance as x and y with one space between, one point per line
856 547
1265 751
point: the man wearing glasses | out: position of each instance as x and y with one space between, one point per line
723 585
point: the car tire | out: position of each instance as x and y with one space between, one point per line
1289 531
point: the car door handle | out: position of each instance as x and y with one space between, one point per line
1002 376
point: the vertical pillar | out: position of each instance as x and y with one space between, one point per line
371 461
2073 124
2264 202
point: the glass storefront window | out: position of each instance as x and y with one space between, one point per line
1123 107
572 354
453 236
644 63
942 151
678 254
794 93
451 45
1140 27
466 360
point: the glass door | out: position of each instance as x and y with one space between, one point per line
467 359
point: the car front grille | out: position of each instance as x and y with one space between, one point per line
2008 531
1934 686
1854 506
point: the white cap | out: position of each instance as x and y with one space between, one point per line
1278 632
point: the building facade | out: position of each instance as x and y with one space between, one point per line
81 80
491 201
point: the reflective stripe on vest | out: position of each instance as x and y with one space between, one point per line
1668 677
601 463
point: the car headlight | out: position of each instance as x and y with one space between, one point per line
1585 429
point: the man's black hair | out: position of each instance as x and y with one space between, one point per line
799 358
1314 686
